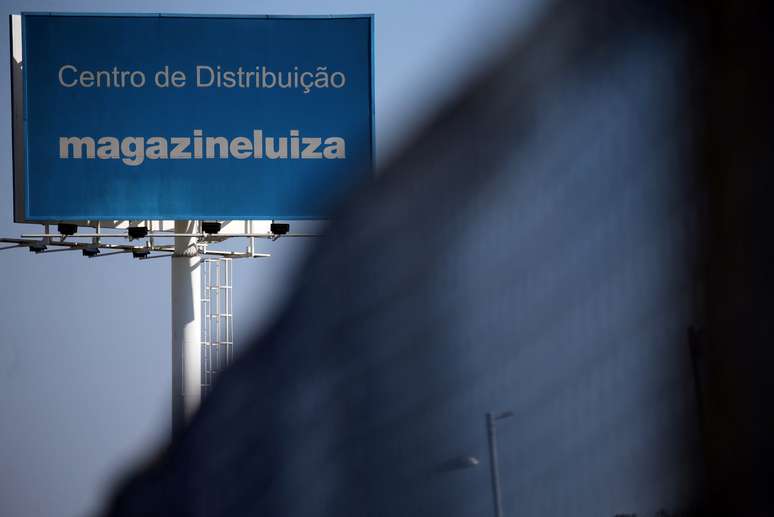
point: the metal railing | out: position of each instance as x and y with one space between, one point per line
217 319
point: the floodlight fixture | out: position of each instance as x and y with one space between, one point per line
67 228
91 251
140 253
280 228
38 247
137 232
211 227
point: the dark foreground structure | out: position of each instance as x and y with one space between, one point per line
582 241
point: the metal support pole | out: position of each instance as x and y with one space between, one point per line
186 327
492 435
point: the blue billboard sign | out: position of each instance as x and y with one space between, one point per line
192 117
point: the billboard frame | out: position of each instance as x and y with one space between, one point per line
18 86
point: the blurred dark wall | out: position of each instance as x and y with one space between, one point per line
576 240
739 337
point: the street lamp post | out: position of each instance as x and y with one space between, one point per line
491 420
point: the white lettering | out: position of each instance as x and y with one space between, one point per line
199 82
61 76
134 150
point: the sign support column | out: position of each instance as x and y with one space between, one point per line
186 327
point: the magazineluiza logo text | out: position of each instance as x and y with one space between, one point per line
134 150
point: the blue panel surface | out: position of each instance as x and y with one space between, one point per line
109 136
